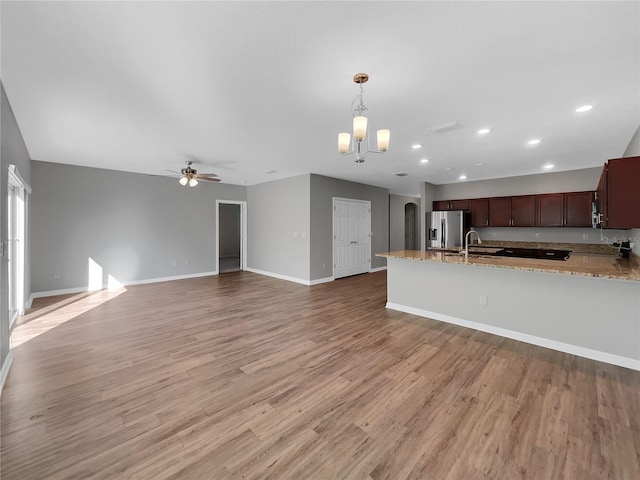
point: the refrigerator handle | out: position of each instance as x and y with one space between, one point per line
443 234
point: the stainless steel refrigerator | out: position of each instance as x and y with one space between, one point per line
447 229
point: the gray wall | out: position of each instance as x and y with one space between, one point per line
323 189
396 220
136 227
13 151
278 224
633 149
229 230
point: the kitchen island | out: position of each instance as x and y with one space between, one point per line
588 305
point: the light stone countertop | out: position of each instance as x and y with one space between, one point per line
587 265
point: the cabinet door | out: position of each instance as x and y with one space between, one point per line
523 211
479 212
601 197
441 205
551 210
623 201
577 209
459 204
500 212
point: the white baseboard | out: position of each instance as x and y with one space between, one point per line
4 372
321 280
377 269
631 363
51 293
279 276
169 279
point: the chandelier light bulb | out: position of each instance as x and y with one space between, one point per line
384 136
193 182
359 127
344 142
183 180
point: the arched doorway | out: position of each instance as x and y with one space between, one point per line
410 229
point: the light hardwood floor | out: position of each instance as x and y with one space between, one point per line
247 377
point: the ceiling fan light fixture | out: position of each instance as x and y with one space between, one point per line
183 180
193 182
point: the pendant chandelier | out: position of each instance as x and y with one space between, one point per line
345 146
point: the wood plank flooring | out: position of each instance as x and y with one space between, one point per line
248 377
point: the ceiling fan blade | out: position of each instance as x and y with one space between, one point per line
208 174
208 179
173 171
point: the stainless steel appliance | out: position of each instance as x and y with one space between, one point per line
447 229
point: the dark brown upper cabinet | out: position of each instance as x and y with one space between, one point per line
550 210
459 205
500 212
618 195
451 205
479 208
523 211
578 208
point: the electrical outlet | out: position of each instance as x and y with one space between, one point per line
186 262
174 263
537 234
585 236
483 300
56 275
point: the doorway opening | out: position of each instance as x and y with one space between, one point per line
18 192
410 227
231 239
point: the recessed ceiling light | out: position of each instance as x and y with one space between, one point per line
416 146
535 141
482 131
548 166
584 108
481 164
424 160
462 177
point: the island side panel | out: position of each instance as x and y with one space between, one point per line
593 317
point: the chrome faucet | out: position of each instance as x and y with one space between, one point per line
466 243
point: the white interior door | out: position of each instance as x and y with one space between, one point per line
351 237
16 219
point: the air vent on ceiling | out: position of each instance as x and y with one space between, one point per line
401 174
445 127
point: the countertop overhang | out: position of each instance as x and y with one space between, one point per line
587 265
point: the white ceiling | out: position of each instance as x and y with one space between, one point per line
246 87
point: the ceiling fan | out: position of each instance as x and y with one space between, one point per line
191 176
